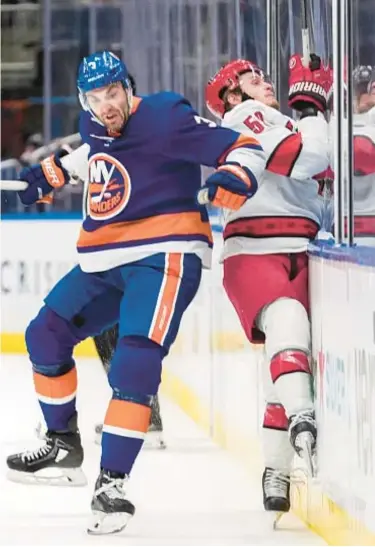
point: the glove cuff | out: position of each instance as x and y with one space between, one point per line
308 110
300 102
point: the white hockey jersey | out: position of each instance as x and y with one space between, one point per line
364 176
287 211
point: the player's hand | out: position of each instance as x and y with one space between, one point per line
42 178
229 187
308 86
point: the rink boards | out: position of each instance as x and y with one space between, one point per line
213 373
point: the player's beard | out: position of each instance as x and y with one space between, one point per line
271 101
115 120
274 104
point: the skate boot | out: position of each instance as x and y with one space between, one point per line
276 493
276 488
302 435
154 437
98 433
56 463
110 507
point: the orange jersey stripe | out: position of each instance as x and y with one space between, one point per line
128 415
242 140
285 155
58 387
153 227
167 297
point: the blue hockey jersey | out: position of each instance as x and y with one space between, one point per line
143 183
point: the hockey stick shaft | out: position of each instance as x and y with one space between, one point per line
202 196
68 162
13 185
305 34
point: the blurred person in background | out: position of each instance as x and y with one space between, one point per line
363 155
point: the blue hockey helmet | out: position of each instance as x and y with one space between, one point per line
101 69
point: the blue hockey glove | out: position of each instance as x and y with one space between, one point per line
229 187
42 178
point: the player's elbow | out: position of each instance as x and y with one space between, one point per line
320 161
314 159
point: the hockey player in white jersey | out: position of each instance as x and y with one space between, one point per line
363 108
265 243
363 154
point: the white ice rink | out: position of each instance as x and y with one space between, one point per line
193 493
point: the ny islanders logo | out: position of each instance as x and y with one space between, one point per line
109 187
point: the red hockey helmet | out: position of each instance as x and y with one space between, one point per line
227 78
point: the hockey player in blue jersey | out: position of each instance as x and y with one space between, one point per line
141 250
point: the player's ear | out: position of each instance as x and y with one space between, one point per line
233 98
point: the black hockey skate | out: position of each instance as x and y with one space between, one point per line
110 507
276 490
276 493
302 435
56 463
154 437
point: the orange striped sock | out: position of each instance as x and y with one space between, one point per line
125 427
57 398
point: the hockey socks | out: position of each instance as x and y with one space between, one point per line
57 398
124 431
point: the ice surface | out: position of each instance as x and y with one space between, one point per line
193 493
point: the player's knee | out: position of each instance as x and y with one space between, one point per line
286 325
135 371
50 343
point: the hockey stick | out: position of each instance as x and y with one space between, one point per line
202 196
13 185
305 34
19 185
69 162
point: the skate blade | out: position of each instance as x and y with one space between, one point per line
107 523
67 477
273 518
278 515
154 440
307 455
